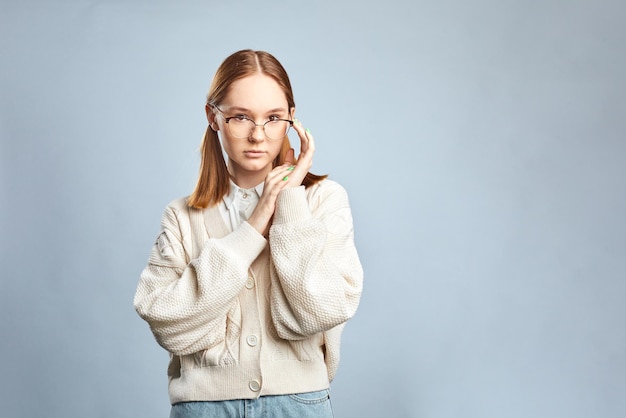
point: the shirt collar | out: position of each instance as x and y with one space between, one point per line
234 190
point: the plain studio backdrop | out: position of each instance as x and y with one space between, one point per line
482 145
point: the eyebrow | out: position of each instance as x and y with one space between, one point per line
243 109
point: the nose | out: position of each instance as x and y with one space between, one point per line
258 133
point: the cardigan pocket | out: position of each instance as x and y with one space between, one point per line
226 352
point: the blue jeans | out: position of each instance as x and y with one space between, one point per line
301 405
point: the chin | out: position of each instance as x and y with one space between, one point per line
256 165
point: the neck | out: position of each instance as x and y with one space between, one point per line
247 179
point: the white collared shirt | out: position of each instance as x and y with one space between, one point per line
238 205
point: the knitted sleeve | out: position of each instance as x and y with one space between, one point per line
317 276
187 301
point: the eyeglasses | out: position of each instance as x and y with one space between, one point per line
241 126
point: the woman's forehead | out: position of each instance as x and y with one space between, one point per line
256 92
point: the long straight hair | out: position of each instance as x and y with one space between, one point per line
213 182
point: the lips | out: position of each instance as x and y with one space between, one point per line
254 153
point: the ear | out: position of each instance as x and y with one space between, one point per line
292 113
210 115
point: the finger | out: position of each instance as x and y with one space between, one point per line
278 174
282 176
311 140
300 130
307 143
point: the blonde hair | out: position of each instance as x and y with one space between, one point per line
213 180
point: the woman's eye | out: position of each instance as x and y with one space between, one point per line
240 117
273 118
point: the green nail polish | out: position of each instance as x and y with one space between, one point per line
307 130
285 178
291 168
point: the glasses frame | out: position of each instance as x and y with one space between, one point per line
227 120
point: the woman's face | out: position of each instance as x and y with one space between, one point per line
259 98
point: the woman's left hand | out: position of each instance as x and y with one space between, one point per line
305 159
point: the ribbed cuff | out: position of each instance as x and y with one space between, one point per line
248 242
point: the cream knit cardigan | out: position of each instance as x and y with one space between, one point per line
243 317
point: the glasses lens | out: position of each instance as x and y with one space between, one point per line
240 127
276 129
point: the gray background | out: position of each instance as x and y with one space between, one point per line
482 144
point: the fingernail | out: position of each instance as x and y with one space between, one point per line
291 168
307 130
285 178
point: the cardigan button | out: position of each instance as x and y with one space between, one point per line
249 283
252 340
254 385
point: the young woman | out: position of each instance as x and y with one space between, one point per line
253 276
